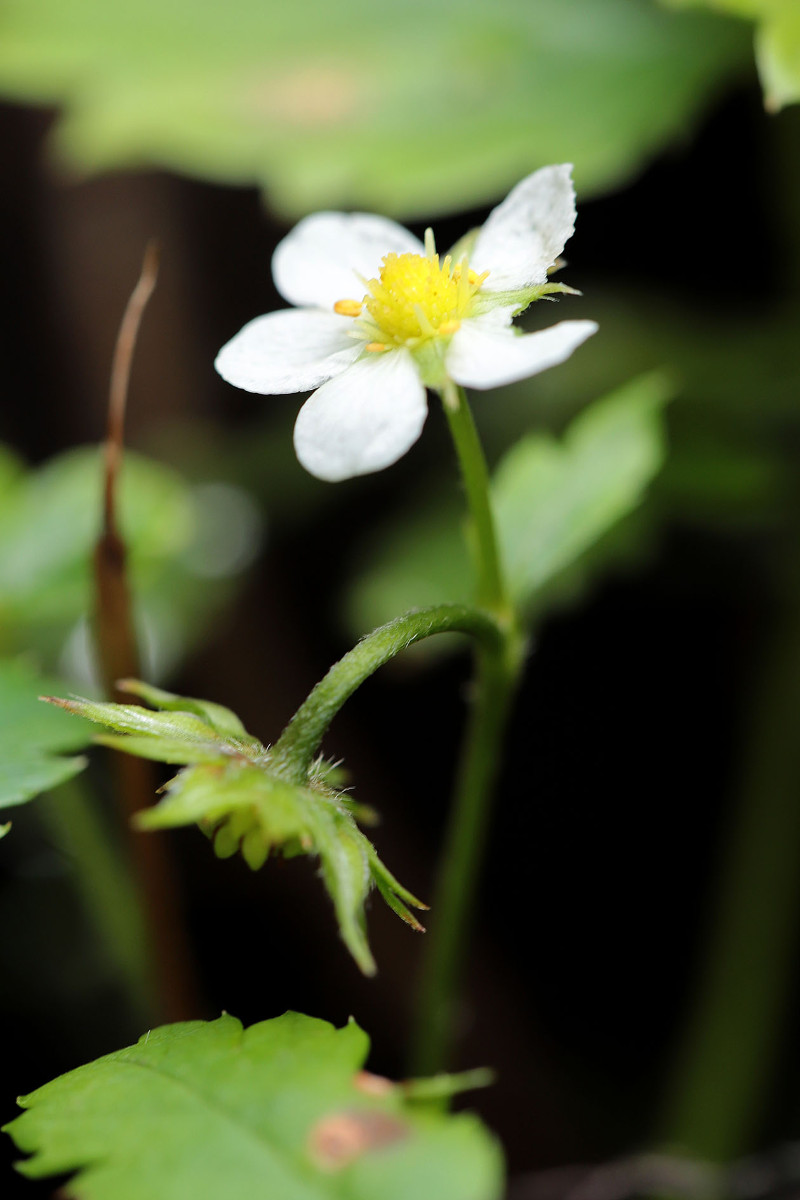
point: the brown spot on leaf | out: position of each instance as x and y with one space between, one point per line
311 94
372 1085
340 1138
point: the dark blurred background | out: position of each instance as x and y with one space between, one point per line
633 965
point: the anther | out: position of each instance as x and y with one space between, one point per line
448 327
376 347
348 308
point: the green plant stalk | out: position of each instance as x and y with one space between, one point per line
498 669
295 749
461 861
491 589
730 1048
103 880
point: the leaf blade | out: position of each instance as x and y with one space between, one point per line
33 739
312 118
210 1109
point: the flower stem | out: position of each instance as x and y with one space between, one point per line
294 751
491 589
498 668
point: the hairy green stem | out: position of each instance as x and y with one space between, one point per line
294 751
498 671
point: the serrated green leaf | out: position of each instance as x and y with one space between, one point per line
777 42
232 790
554 500
330 104
282 1109
33 738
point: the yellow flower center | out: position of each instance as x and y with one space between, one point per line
415 297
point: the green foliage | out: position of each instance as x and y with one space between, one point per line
408 108
282 1109
777 43
554 501
49 522
33 738
233 789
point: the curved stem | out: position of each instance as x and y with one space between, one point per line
295 749
492 592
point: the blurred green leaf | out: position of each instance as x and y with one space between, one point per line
282 1109
231 787
554 501
408 108
777 42
49 523
33 736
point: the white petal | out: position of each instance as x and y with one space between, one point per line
482 355
293 350
526 233
319 262
363 420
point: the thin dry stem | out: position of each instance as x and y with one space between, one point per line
136 782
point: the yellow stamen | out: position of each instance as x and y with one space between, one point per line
348 308
472 277
416 297
376 347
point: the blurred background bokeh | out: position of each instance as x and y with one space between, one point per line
633 966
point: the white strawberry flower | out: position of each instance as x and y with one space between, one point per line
419 322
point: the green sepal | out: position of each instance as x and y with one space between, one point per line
220 718
235 791
397 906
520 298
166 750
132 719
